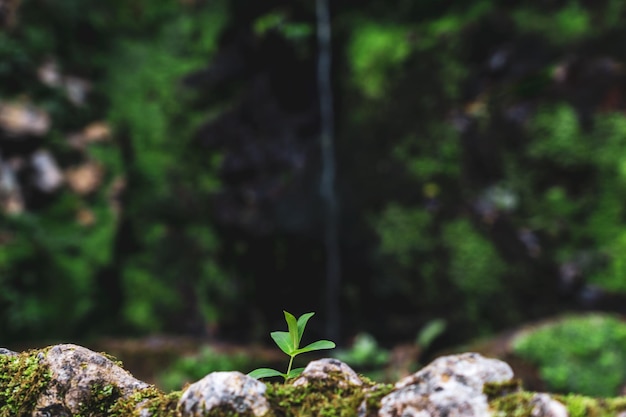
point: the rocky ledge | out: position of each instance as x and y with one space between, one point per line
69 380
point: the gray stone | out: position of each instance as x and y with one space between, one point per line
4 351
325 368
546 406
75 373
224 389
450 386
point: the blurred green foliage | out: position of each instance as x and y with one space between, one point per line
374 51
53 267
365 356
479 148
404 233
569 23
169 180
581 354
192 368
475 268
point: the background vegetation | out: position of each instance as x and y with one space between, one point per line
160 166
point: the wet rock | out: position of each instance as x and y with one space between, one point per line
80 377
545 406
325 369
449 386
233 390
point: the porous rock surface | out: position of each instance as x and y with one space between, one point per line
232 390
326 368
76 372
545 406
4 351
451 386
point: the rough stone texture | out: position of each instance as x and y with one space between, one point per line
224 389
450 386
83 382
75 373
545 406
5 351
324 369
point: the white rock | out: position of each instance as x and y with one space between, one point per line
241 392
546 406
75 372
450 386
323 368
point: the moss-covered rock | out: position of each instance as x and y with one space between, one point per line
72 381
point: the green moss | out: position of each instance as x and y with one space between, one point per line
158 403
519 405
22 379
495 390
324 398
512 405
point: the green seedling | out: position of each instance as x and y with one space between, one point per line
289 342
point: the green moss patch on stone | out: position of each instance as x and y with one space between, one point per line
512 405
102 397
22 379
323 398
158 403
519 405
582 406
498 389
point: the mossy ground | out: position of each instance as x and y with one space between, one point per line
23 378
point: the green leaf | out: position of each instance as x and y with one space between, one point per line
319 345
283 340
295 372
301 325
265 373
293 329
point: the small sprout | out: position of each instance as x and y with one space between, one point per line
289 342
